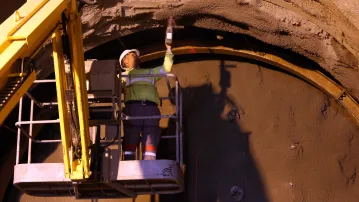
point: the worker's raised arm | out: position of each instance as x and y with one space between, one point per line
166 66
168 61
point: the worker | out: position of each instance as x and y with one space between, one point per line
142 99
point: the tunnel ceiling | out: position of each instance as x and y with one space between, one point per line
325 32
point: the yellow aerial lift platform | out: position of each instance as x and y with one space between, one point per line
92 167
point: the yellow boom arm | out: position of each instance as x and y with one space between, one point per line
23 34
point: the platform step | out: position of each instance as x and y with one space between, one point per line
131 179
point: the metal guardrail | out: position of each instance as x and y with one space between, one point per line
31 122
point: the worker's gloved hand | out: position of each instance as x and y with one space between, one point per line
168 61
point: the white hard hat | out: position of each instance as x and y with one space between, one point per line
125 52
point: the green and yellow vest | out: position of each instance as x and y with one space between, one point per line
142 88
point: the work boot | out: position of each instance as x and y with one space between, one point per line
146 157
129 155
149 157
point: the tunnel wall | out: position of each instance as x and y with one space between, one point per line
289 142
326 32
289 30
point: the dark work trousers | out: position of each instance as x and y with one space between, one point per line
149 128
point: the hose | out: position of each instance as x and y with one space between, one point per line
114 139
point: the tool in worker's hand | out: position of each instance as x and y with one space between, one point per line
169 31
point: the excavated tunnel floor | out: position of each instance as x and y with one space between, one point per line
291 142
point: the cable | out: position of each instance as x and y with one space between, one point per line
115 138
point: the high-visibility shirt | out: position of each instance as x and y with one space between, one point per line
144 88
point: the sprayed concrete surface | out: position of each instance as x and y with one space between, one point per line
291 142
324 31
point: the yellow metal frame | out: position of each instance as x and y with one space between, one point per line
81 168
60 90
25 32
314 77
22 36
25 36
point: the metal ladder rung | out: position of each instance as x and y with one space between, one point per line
15 79
13 84
5 94
11 87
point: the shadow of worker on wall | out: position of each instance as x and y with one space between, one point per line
216 150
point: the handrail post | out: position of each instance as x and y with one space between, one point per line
30 132
19 133
177 122
181 130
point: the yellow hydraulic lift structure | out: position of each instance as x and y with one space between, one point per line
89 169
28 29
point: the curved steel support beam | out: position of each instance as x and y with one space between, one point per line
314 77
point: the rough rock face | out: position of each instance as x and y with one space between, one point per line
324 31
303 148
